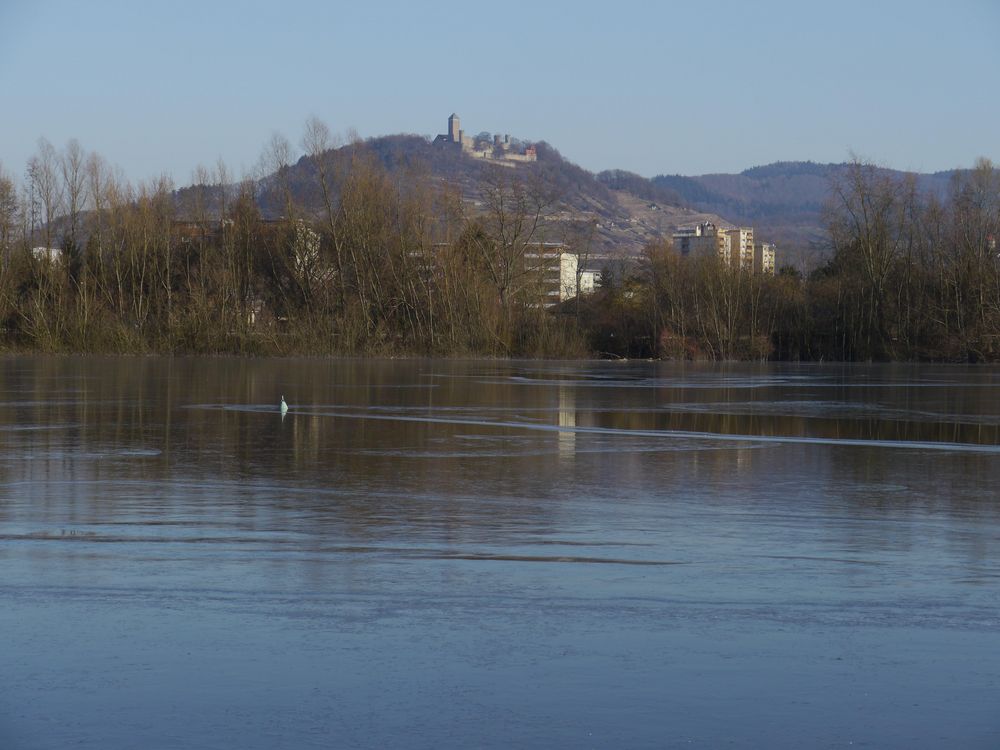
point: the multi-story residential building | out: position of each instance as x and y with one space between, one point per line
763 258
740 247
703 239
51 254
734 247
589 280
554 269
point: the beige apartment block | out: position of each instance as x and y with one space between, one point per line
703 240
741 247
763 258
735 247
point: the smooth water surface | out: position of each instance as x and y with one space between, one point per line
428 554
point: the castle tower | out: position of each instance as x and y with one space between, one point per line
454 129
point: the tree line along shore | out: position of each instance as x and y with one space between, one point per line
361 261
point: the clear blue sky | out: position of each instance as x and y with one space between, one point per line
688 87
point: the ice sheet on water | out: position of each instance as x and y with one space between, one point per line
827 409
607 377
60 454
563 559
37 427
19 403
671 434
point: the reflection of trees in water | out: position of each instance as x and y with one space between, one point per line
847 412
370 478
351 472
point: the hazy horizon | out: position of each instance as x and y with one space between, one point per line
163 90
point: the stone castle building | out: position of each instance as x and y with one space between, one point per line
500 149
455 135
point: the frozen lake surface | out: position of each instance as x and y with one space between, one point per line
427 554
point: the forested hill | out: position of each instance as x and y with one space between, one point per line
784 201
621 211
397 246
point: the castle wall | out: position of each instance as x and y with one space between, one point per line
457 137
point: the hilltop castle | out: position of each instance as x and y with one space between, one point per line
499 149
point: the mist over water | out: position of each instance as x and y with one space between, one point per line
435 554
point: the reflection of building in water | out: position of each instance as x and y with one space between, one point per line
567 418
745 457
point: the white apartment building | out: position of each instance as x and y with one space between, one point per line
556 271
589 281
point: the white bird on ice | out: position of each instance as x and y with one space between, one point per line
284 406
